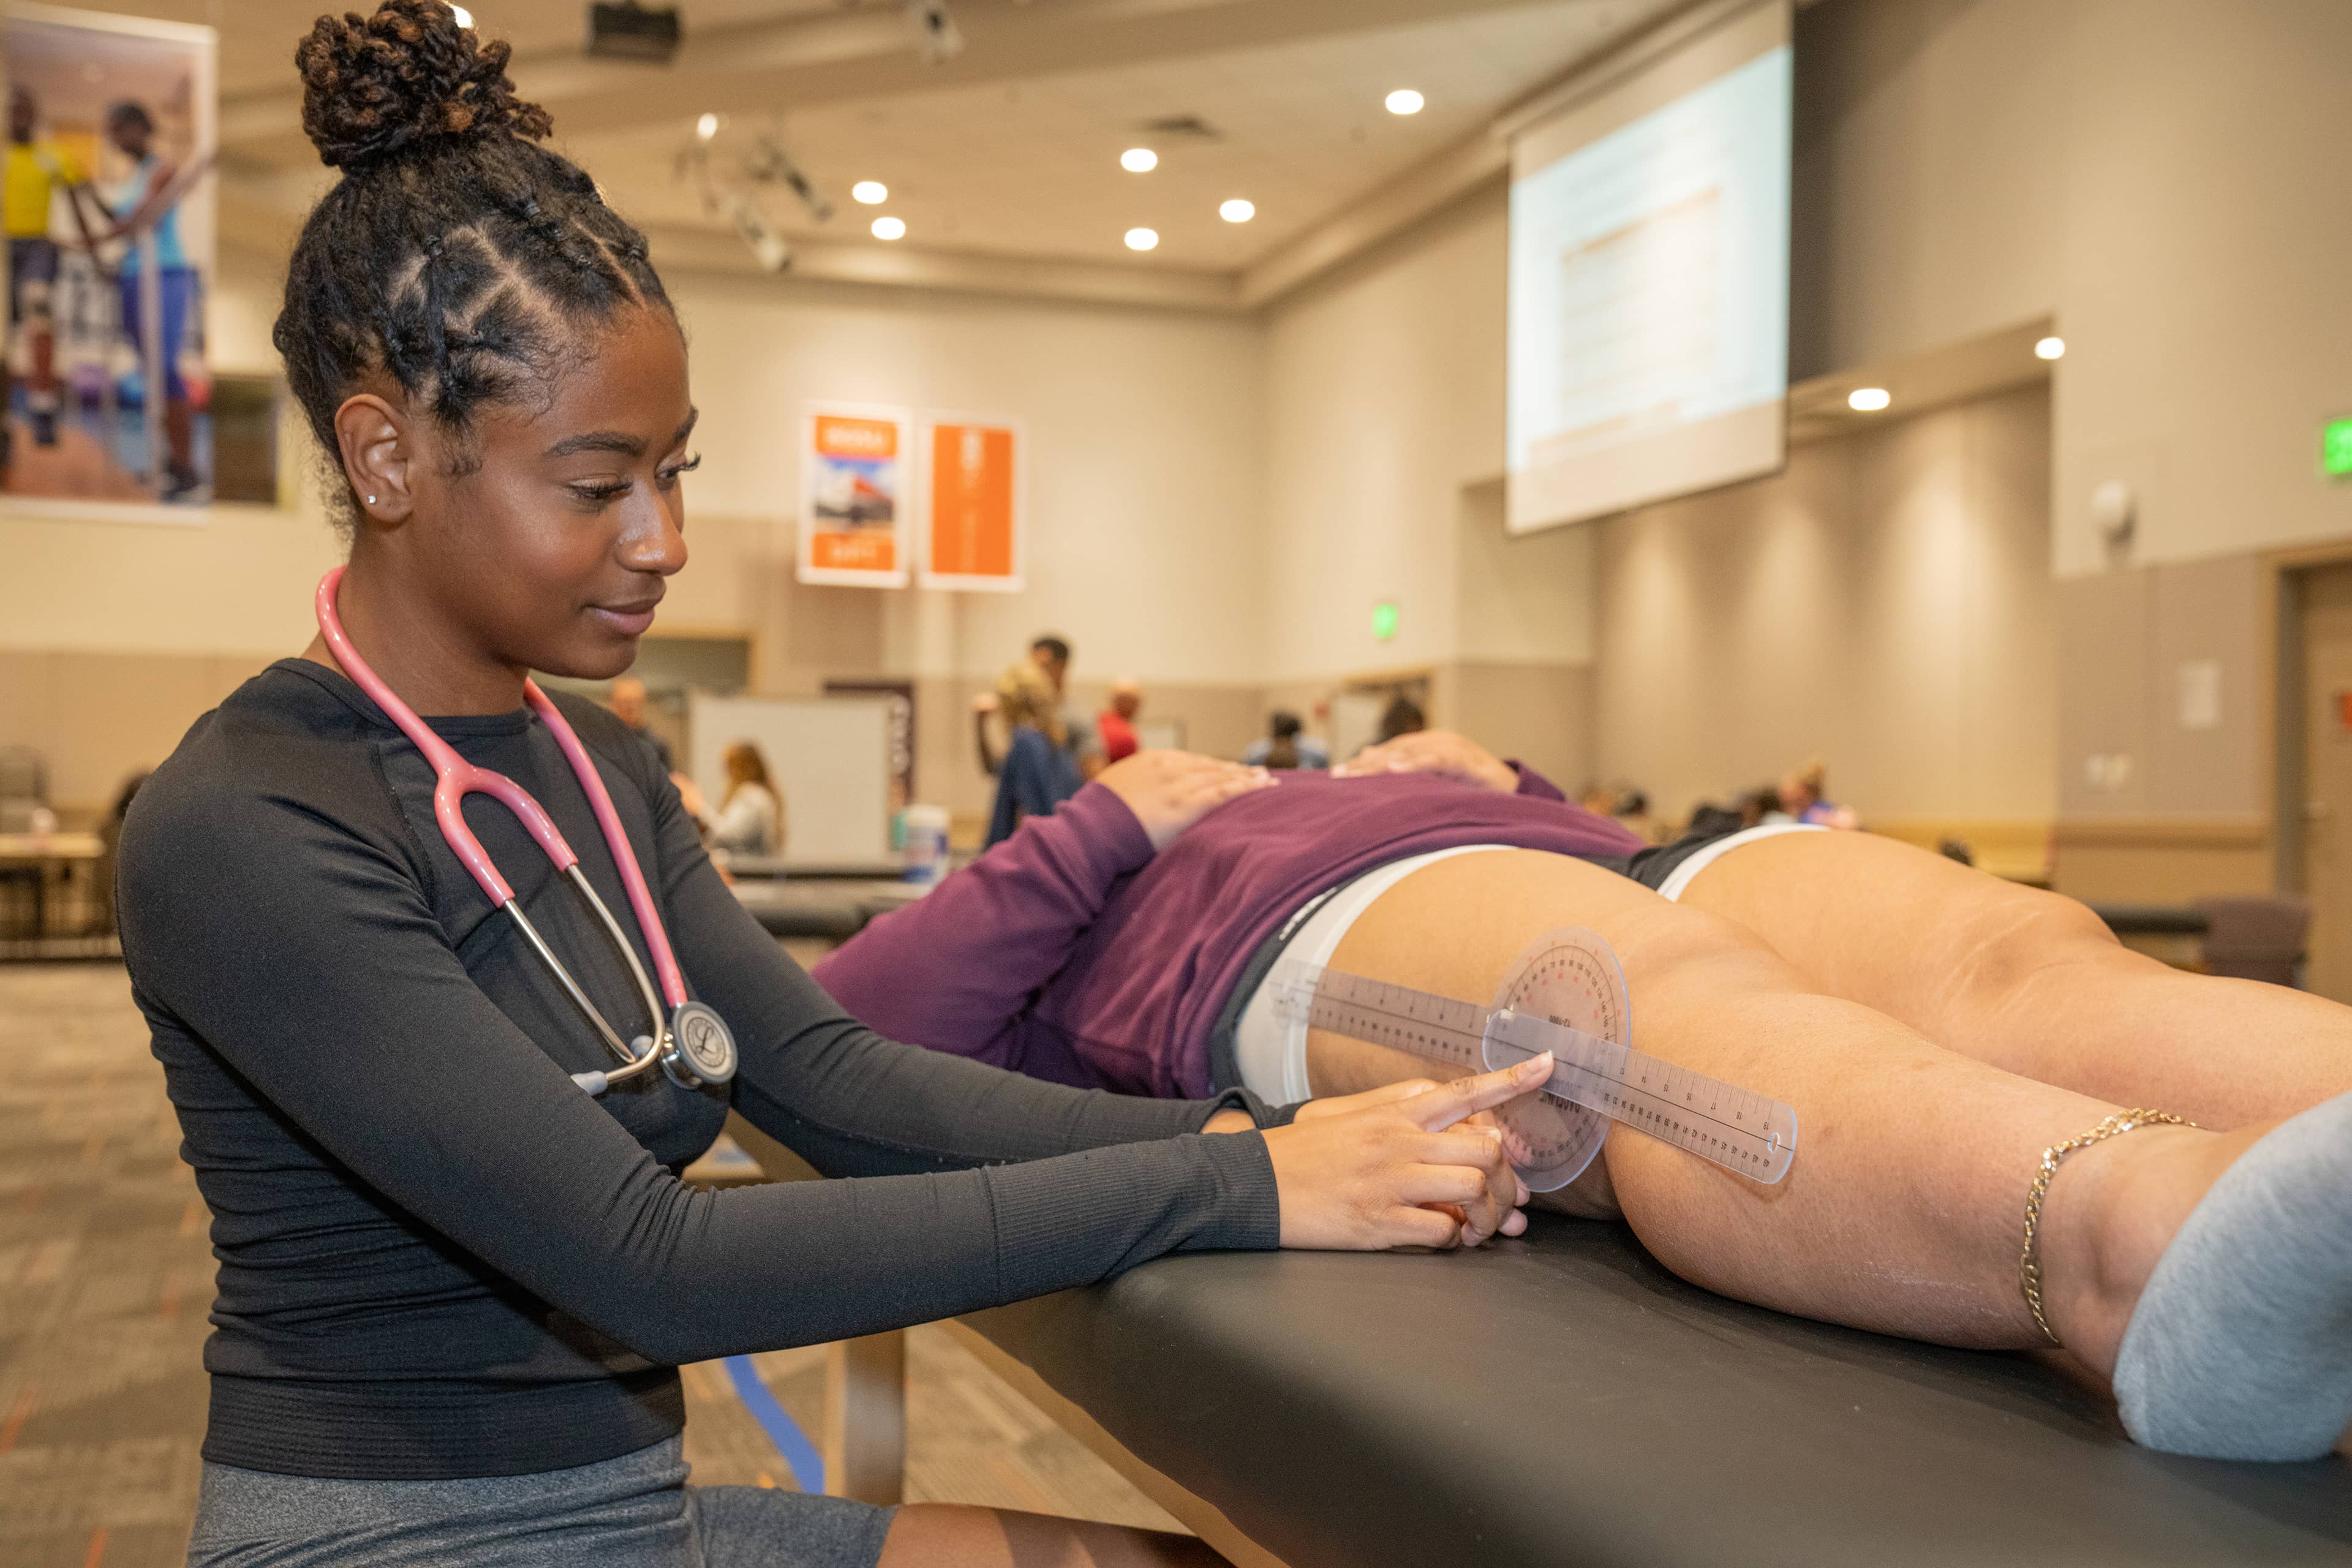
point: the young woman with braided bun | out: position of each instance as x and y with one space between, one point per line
454 1290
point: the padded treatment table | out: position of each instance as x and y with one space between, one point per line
835 910
1563 1399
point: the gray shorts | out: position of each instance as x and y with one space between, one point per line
636 1511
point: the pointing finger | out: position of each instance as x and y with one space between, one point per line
1443 1107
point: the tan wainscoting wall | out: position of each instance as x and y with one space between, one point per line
2161 860
101 717
2018 851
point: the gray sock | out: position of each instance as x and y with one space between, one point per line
2241 1347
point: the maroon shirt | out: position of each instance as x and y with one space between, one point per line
1071 952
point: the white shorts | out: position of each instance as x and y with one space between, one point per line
1270 1052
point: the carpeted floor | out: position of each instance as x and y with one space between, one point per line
106 1274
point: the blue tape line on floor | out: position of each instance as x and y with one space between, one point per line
807 1465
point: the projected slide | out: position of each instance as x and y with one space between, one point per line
1649 282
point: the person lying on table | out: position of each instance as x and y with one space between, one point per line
1886 993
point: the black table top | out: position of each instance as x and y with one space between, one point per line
1563 1399
2153 919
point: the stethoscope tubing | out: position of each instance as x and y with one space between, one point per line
455 778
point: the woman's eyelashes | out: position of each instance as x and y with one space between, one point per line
601 492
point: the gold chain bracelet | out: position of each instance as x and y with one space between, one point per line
2028 1266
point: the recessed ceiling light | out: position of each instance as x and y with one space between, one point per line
2050 348
873 192
1139 159
706 127
464 17
1868 399
887 227
1237 211
1404 101
1142 238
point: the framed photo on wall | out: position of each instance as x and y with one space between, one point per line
855 486
109 208
975 483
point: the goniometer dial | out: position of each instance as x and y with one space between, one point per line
1570 976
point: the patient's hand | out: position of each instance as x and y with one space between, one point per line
1433 751
1170 791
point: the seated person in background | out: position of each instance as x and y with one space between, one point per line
1037 774
1941 1034
1402 717
750 819
1283 746
1800 799
1116 722
628 705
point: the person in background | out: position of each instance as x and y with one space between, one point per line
1079 735
1801 799
37 169
1116 722
1631 812
1283 746
628 705
148 203
750 819
1403 717
1037 774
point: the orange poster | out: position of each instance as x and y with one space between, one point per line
972 526
853 496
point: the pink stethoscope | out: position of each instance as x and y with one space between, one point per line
691 1041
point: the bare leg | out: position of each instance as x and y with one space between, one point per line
1903 1211
940 1535
2027 981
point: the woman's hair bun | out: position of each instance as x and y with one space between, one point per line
377 86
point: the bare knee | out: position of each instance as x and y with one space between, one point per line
2014 943
1689 949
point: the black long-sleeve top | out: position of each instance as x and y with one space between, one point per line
440 1258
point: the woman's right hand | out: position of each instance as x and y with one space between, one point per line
1361 1181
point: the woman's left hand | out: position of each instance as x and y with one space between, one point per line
1434 751
1170 791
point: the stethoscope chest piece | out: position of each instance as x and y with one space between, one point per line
703 1050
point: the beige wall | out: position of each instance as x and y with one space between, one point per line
1383 460
1143 441
1383 407
1142 491
1884 604
2158 173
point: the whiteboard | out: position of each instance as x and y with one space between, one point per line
1355 721
829 758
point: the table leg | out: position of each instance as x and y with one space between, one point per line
865 1418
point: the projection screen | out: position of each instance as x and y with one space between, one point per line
1649 277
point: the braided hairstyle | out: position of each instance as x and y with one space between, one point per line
456 256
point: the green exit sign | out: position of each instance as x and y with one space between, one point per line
2336 449
1384 614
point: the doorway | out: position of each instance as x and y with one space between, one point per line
2315 713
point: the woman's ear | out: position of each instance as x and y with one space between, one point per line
378 451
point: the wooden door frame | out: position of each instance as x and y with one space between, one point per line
2280 639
